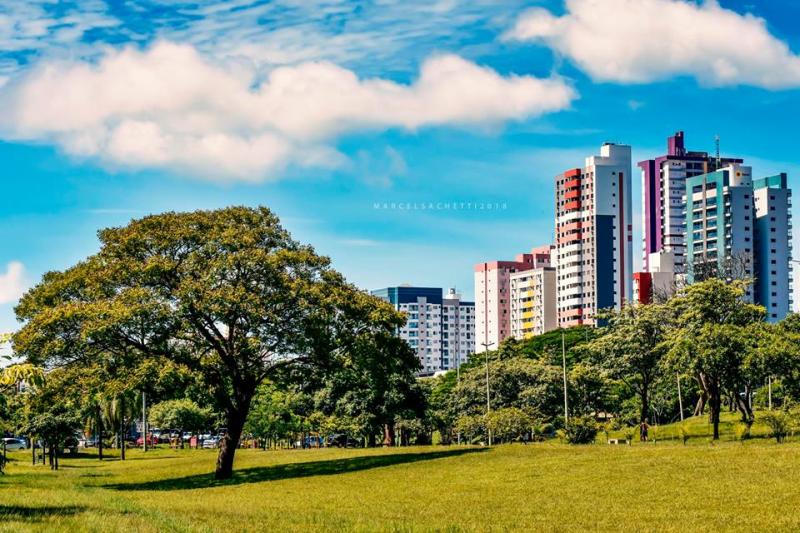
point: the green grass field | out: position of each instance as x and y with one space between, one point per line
549 486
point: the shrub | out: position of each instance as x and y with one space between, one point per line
471 427
580 430
779 423
741 431
607 428
683 431
509 423
629 434
541 430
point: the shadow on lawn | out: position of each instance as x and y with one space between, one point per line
35 514
292 470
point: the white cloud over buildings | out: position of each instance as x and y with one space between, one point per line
640 41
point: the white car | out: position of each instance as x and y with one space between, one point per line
211 443
12 444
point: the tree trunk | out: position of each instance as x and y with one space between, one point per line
388 435
122 427
744 408
703 399
716 407
99 433
371 440
229 442
700 406
645 399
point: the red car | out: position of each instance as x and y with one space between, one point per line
151 440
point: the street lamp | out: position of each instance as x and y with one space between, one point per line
488 405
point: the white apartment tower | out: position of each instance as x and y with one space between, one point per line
440 329
773 248
594 236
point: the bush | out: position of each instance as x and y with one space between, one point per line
683 430
471 427
509 423
580 430
179 414
541 430
629 434
742 431
779 423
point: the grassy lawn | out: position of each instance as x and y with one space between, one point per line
548 486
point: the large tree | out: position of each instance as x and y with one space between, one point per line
228 293
630 349
527 384
715 332
376 388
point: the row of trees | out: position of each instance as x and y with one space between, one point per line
224 309
707 338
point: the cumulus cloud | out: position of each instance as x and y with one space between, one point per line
12 283
637 41
170 107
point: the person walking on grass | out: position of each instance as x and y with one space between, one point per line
643 427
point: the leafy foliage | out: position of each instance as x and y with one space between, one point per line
228 294
580 430
715 329
781 423
181 414
509 424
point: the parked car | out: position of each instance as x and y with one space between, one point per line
340 440
211 442
151 440
87 442
14 443
71 445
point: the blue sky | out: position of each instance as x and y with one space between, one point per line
321 110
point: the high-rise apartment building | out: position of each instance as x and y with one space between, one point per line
773 247
663 189
533 302
440 328
493 295
741 228
594 236
720 225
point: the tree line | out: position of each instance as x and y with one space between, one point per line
224 310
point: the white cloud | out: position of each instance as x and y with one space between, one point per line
170 107
637 41
43 27
13 283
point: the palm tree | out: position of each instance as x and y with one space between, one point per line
118 413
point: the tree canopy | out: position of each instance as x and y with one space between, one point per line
227 293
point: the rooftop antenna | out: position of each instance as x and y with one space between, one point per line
716 141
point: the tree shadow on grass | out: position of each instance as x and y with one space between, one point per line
292 470
22 513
